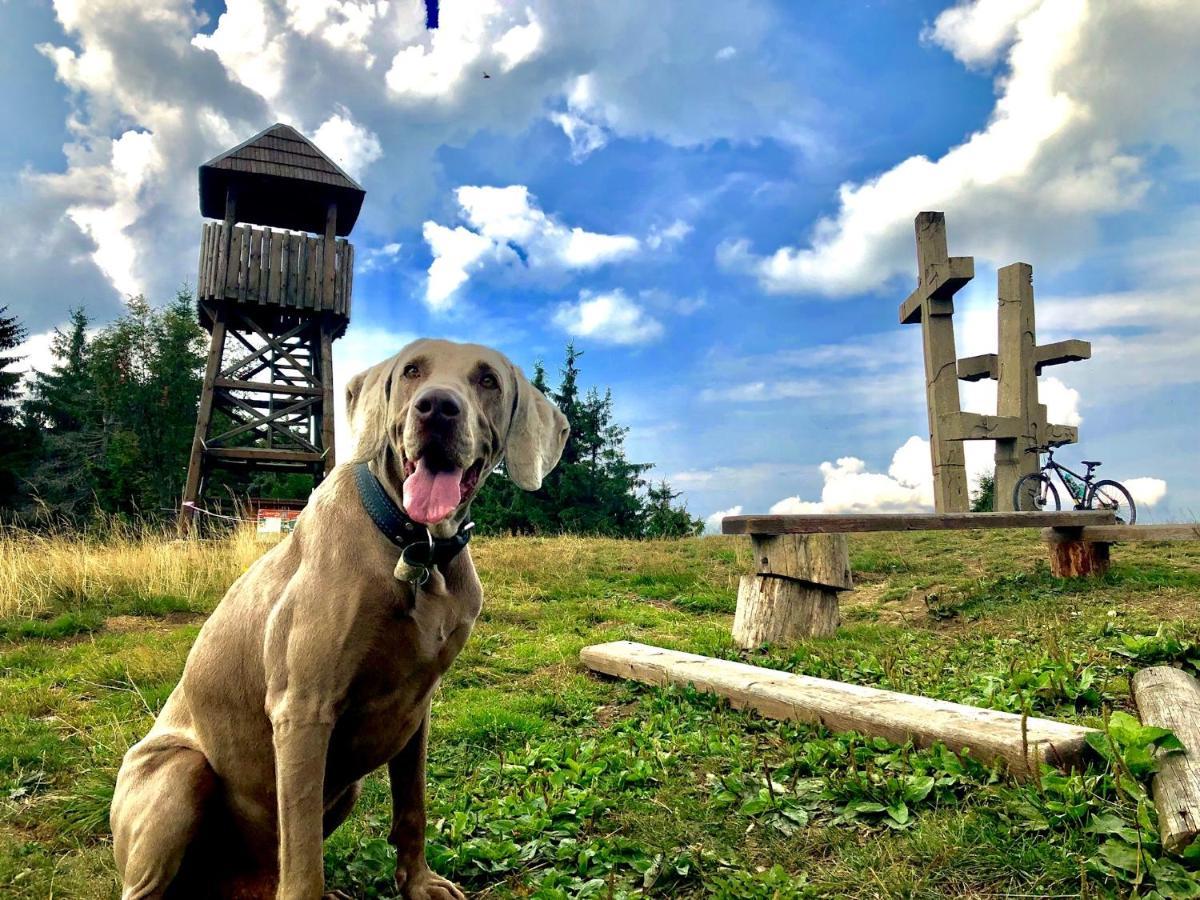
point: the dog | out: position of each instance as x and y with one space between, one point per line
318 665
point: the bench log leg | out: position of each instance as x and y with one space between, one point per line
794 593
1076 559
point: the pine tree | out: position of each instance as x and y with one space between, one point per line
16 440
595 489
666 520
118 410
59 405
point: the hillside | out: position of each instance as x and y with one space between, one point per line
548 782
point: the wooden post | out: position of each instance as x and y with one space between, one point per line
329 253
1017 390
223 261
794 593
327 423
1021 421
1170 698
932 305
191 488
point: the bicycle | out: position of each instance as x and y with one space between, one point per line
1035 491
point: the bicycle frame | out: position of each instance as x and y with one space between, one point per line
1084 481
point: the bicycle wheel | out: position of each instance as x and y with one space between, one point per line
1036 493
1113 495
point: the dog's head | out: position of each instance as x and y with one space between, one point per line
443 415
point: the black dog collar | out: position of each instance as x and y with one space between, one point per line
418 547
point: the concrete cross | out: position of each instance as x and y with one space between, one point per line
931 305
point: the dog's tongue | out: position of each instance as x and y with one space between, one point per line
431 496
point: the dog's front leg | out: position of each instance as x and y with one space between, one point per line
301 730
406 771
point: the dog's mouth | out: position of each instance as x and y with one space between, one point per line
435 486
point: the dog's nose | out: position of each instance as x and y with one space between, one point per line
437 404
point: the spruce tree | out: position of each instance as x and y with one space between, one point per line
59 406
595 489
16 439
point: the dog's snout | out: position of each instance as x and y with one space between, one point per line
437 404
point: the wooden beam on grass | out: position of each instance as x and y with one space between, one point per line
1170 698
987 734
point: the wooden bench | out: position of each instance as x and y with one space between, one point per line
1077 550
802 563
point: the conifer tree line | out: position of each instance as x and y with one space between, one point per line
107 428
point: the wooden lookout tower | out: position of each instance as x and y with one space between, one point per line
274 291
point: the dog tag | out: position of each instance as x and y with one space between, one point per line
414 575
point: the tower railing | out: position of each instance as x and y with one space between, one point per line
273 267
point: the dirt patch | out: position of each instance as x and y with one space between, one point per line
157 624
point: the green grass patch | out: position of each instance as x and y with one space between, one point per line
548 782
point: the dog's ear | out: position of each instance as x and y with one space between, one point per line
366 414
536 436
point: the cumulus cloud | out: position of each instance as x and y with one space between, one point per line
906 487
350 145
506 225
610 317
1146 492
1085 93
712 523
155 90
668 236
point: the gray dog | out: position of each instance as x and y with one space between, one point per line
318 665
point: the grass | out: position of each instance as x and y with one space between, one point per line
548 782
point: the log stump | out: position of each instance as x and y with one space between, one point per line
794 591
1170 698
1071 557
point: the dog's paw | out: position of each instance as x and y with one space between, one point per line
427 885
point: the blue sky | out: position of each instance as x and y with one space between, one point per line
714 201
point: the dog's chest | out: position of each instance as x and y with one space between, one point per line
407 652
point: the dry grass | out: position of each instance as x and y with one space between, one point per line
41 573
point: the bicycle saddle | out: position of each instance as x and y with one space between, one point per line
1090 463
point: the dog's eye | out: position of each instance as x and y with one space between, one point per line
488 380
412 370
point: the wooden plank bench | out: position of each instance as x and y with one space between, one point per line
1084 550
802 563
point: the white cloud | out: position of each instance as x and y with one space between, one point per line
609 317
350 145
1086 91
499 219
668 236
725 53
1146 492
373 258
148 70
907 486
456 252
1062 402
977 32
712 523
519 43
585 137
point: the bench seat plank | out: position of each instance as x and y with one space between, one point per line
835 524
1105 534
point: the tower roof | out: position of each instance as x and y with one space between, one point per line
280 179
